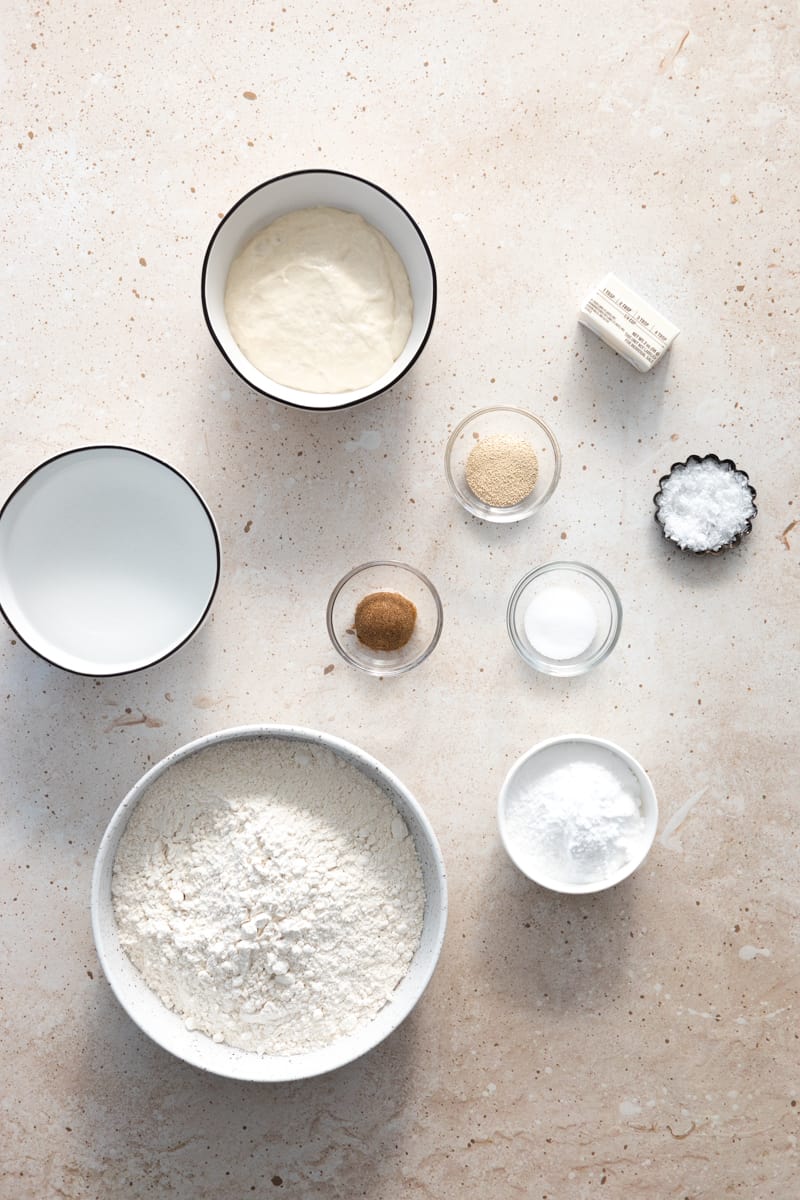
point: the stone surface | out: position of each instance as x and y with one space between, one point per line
641 1043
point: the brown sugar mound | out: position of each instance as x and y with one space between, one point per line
385 620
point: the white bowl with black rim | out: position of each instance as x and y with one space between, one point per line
168 1028
297 190
109 560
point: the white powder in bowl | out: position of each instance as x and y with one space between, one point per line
560 623
577 815
270 893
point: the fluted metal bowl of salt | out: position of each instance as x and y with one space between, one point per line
709 520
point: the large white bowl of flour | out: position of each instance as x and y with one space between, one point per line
304 309
268 903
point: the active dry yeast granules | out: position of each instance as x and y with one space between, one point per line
502 470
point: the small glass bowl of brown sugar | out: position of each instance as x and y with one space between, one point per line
502 463
384 617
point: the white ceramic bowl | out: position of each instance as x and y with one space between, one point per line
169 1030
544 756
109 560
310 189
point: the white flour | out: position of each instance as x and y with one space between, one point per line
269 893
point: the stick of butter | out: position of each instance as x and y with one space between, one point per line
627 323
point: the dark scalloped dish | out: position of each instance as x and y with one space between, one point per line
723 462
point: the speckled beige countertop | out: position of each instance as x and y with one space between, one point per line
640 1044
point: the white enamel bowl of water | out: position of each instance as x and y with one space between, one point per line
169 1030
109 560
312 189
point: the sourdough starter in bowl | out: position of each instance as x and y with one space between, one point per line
319 300
269 893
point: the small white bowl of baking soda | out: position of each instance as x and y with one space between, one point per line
577 814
